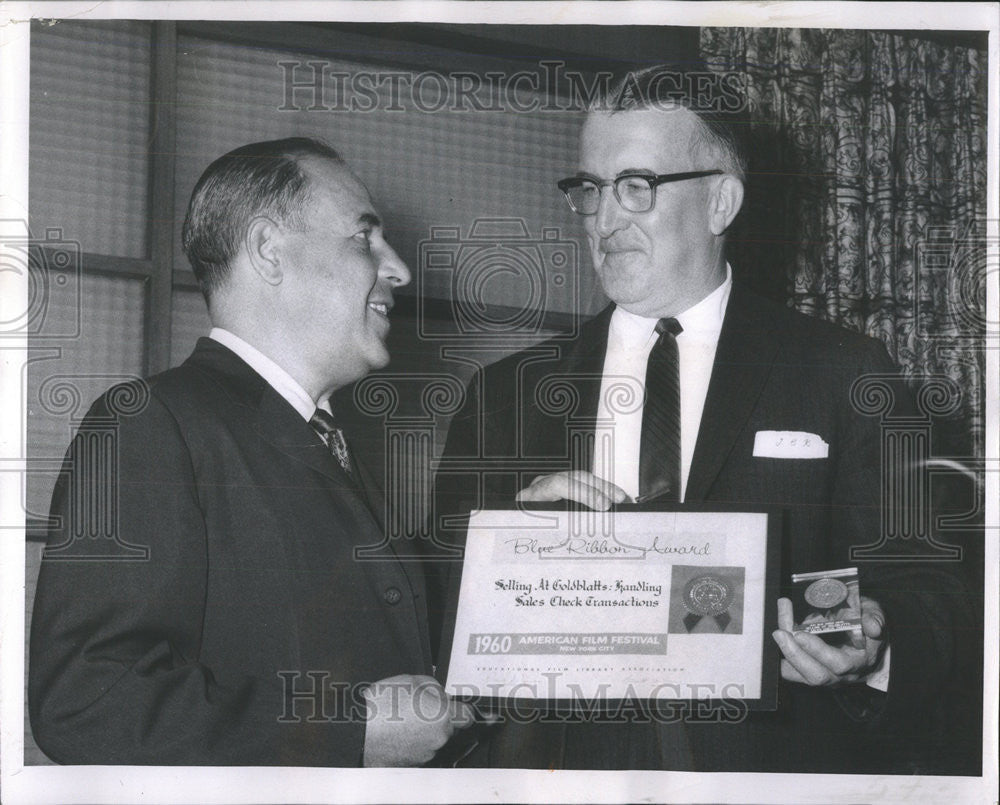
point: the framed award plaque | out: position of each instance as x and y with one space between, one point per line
561 604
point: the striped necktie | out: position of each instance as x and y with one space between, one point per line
326 426
660 444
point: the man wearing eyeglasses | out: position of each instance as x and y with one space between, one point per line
720 370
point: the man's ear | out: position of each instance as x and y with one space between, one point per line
727 199
263 241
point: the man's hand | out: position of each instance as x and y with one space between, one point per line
577 485
409 719
812 661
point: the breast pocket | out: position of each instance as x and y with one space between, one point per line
791 480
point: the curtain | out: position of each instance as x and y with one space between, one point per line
866 202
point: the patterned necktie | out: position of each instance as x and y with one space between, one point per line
660 445
326 426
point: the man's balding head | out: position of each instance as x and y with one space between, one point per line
714 101
260 179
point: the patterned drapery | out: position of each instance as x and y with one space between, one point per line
866 202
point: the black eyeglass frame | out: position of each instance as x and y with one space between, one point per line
654 181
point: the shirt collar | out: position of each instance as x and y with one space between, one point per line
703 319
282 382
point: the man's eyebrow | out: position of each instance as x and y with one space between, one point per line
644 171
370 219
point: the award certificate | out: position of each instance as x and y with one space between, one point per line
568 604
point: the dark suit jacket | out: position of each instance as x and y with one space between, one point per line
774 369
194 654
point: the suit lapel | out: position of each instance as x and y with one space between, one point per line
743 359
268 414
585 362
282 426
581 368
273 418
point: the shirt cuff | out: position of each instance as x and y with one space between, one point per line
879 678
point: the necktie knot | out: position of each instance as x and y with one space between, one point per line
324 423
669 327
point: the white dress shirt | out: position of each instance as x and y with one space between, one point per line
619 409
276 377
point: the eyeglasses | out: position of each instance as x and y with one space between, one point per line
634 191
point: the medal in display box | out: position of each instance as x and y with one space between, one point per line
827 603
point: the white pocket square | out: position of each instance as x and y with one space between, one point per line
789 444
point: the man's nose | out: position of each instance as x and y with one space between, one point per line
392 268
610 217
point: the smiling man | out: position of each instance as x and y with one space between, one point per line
712 369
237 627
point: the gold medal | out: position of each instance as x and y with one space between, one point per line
825 593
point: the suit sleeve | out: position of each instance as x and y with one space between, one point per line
115 670
921 599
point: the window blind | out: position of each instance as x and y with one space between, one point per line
427 171
89 123
66 376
